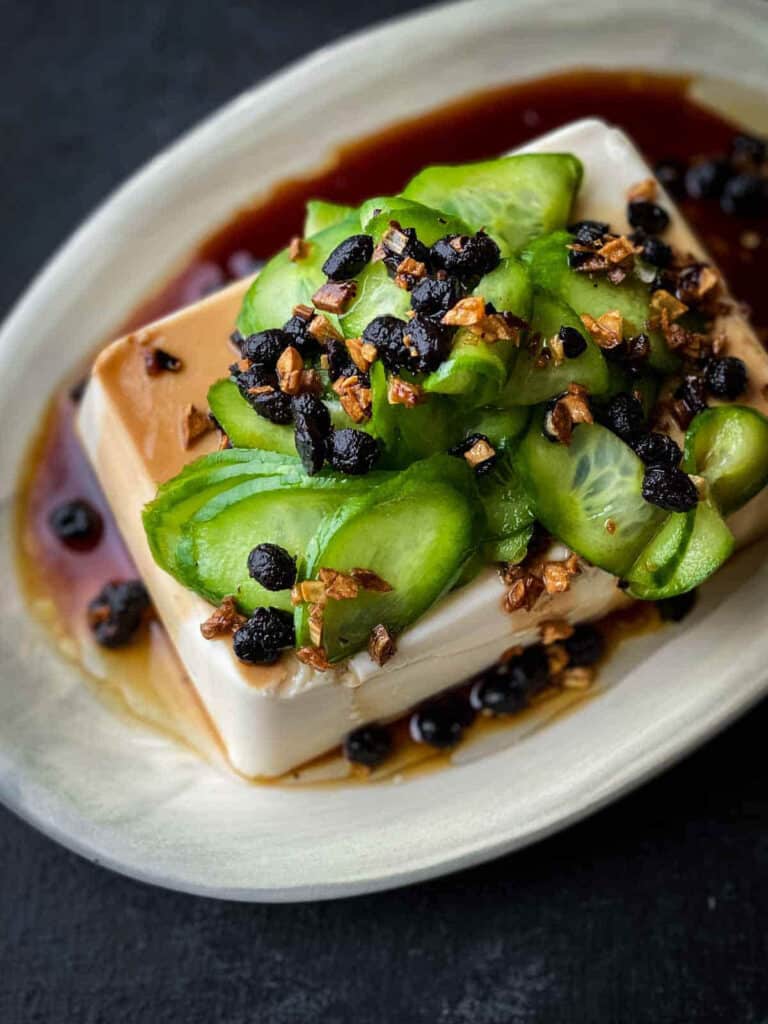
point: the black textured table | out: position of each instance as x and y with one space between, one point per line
655 910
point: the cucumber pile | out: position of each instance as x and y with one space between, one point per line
424 379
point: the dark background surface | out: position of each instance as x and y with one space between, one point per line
654 910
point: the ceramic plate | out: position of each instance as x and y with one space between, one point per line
132 800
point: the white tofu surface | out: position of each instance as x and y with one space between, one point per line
271 719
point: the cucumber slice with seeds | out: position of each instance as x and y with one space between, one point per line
589 494
515 198
416 532
728 446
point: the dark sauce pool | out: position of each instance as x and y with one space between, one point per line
654 110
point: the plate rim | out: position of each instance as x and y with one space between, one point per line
673 752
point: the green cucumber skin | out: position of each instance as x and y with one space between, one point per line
409 435
216 552
514 198
511 549
163 526
252 462
530 384
474 376
509 511
168 534
246 429
728 446
563 480
243 425
547 260
325 480
657 562
321 214
708 544
475 370
377 295
376 531
285 283
180 497
428 222
502 426
227 526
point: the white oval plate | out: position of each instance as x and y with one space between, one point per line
127 798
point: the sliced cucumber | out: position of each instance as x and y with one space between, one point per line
216 540
428 223
246 429
534 378
163 523
285 283
515 198
473 371
417 532
728 446
477 370
501 426
589 494
322 214
509 511
410 434
707 544
548 262
252 461
377 295
243 425
512 548
178 499
658 560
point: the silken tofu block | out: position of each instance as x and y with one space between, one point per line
272 718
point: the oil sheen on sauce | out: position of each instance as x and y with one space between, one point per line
654 110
